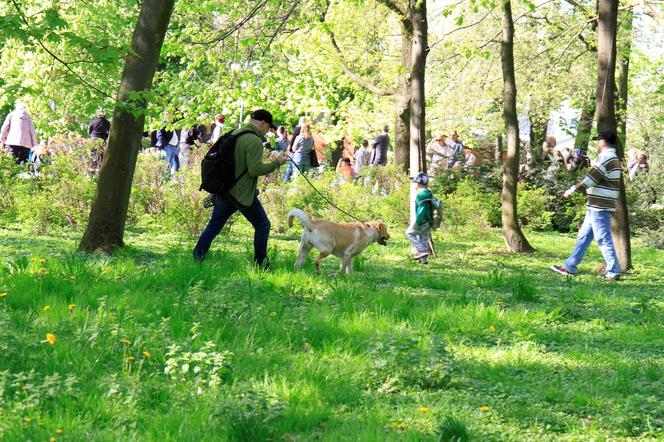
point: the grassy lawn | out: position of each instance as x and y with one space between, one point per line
479 344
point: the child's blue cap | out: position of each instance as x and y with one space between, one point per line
421 178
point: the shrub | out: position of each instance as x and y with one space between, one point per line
148 189
183 209
469 206
61 195
9 172
532 203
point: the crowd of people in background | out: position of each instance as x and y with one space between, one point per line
307 150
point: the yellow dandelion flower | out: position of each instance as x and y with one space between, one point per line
146 354
273 314
58 431
33 259
52 439
43 270
126 341
492 329
3 295
424 410
130 358
47 308
485 408
71 308
50 338
73 277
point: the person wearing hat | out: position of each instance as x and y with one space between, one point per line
578 160
601 185
243 196
419 232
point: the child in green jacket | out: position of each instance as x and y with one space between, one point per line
419 233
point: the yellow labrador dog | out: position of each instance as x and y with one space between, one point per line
345 241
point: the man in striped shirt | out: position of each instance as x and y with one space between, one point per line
601 186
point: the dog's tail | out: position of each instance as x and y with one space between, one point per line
303 217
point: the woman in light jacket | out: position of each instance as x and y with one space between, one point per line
18 133
302 147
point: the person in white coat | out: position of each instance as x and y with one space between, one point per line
18 133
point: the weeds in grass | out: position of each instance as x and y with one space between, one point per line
453 430
523 288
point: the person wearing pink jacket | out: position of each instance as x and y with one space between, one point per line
18 133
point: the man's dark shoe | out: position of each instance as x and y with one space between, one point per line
562 270
610 278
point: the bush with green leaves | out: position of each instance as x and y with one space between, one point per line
61 195
469 207
532 203
9 172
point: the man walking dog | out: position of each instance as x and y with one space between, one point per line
243 196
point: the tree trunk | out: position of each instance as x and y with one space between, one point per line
105 230
420 50
585 125
606 117
402 101
514 238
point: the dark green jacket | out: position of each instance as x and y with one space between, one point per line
249 156
423 209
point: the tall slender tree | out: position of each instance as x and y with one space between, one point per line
105 230
607 30
514 237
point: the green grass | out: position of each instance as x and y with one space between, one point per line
479 345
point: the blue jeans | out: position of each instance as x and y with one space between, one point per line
223 209
172 157
289 171
597 224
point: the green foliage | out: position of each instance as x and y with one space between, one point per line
250 415
453 430
468 206
532 203
397 362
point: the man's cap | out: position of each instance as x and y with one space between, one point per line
421 178
607 135
263 115
577 151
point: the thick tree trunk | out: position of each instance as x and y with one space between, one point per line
105 230
585 125
606 117
514 237
402 101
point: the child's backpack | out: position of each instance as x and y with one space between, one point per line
218 165
437 207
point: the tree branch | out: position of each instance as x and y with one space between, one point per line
397 7
344 65
61 61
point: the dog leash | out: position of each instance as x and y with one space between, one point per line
322 195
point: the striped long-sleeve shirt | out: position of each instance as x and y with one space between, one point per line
602 182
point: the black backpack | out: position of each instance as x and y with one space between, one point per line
218 165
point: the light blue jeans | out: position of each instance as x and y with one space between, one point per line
597 224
